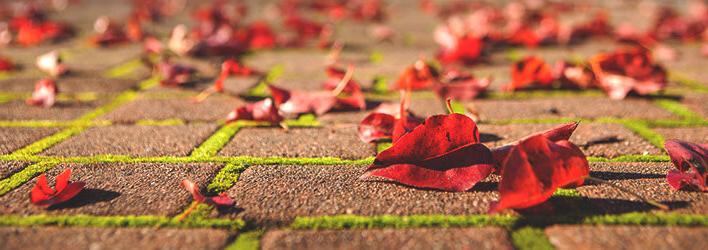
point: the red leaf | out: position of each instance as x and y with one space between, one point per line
443 153
44 94
376 126
334 76
260 36
418 76
174 74
630 70
535 168
6 65
263 110
108 32
559 133
44 196
691 161
220 200
457 46
461 87
573 76
531 72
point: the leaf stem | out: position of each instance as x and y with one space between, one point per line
188 211
630 192
345 80
448 103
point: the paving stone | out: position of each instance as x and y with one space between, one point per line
211 109
118 189
647 180
14 138
277 194
690 63
303 69
135 140
61 111
595 139
336 141
695 135
697 103
111 238
420 238
580 107
70 84
88 59
8 168
626 237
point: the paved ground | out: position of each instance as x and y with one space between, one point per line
133 142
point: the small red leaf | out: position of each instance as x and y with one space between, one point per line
691 161
442 153
418 76
535 168
6 65
529 73
461 87
220 200
376 126
44 94
625 71
44 196
263 110
174 74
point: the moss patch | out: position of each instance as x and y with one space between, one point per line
217 141
642 129
390 221
247 241
530 238
167 122
123 70
678 109
381 146
664 219
46 142
226 178
566 192
116 221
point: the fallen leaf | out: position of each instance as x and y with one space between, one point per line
558 133
221 200
418 76
44 95
530 73
442 153
64 190
628 70
6 65
461 86
264 110
535 168
691 162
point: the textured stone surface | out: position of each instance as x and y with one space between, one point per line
441 238
14 138
111 238
118 189
625 237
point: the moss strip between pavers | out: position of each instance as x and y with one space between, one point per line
24 175
530 238
250 240
117 221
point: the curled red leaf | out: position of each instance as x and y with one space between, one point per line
629 70
558 133
691 161
173 74
418 76
221 200
535 168
457 44
531 72
442 153
461 87
264 111
64 190
6 65
44 94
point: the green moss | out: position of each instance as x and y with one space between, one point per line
636 218
5 75
680 78
380 86
394 96
676 123
534 121
565 192
118 101
215 142
376 57
149 83
226 178
34 124
544 94
124 69
247 241
678 109
26 174
391 221
514 55
640 128
597 159
381 146
46 142
530 238
200 211
261 89
641 158
116 221
167 122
